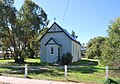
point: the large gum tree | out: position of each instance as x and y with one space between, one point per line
21 29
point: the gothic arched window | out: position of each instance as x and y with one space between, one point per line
52 50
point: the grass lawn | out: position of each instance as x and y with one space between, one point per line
85 61
89 71
29 61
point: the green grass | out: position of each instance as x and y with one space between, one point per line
87 74
84 61
29 61
91 73
6 60
33 62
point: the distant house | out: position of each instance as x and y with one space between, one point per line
56 42
6 53
1 53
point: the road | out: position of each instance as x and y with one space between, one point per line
13 80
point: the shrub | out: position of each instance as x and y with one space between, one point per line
110 81
66 58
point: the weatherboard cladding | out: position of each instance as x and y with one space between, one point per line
63 30
56 42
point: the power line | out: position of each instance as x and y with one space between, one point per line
65 11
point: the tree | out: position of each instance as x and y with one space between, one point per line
111 48
8 14
33 19
21 29
73 34
94 47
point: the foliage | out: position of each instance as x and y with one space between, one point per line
83 49
111 48
73 34
20 30
110 81
94 47
66 58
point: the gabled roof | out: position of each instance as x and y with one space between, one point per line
56 42
65 31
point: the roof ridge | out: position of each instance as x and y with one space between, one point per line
65 31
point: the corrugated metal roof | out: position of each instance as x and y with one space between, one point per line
67 33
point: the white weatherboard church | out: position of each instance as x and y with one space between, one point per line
56 42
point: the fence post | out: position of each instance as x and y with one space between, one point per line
107 72
26 70
65 72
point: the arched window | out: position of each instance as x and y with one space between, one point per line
52 50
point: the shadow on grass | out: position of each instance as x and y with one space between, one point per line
12 70
85 69
47 72
44 71
85 62
38 64
34 64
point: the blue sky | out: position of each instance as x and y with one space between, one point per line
88 18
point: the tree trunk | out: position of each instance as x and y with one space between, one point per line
18 57
21 60
32 53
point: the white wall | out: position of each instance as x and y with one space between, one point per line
76 51
54 28
51 58
60 37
